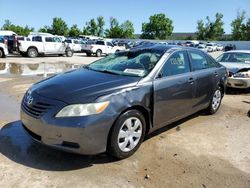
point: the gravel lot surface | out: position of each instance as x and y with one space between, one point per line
199 151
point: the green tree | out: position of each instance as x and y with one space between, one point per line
59 27
100 26
45 29
74 31
241 27
127 29
16 28
158 27
211 30
115 30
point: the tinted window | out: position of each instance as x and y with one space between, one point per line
109 44
48 39
76 42
68 41
211 62
177 63
37 39
199 61
100 43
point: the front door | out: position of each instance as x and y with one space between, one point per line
173 90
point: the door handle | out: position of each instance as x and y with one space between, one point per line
191 80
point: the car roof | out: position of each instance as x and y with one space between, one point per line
238 51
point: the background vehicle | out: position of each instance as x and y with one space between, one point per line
74 44
10 36
111 104
101 47
3 47
238 64
44 45
230 47
202 47
211 47
219 47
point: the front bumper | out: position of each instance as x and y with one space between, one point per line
85 135
238 82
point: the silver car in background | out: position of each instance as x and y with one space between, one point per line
238 64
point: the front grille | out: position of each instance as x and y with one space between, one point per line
36 108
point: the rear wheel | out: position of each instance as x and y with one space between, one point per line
1 53
32 52
98 53
127 134
215 102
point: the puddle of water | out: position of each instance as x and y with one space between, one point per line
43 69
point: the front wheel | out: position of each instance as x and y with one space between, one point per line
215 101
1 53
127 134
69 53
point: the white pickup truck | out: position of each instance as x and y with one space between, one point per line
101 47
3 48
44 45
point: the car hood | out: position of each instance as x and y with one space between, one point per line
82 85
235 67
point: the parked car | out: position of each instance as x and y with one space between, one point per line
10 36
211 47
238 64
3 47
101 47
74 44
219 47
202 48
111 104
44 45
229 47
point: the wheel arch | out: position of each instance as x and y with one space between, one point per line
141 109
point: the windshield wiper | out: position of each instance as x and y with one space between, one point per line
108 71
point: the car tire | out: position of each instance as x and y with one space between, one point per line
215 101
125 138
89 54
98 53
32 52
1 53
69 53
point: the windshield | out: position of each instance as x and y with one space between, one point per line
234 58
131 63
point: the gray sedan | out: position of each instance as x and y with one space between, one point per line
111 104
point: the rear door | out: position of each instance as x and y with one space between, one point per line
49 45
173 90
205 75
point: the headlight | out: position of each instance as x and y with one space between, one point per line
242 75
82 109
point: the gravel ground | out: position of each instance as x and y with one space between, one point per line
199 151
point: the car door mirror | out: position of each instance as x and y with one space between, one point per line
160 75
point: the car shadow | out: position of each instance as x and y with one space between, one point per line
16 145
175 125
237 91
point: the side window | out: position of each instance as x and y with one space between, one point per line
56 39
211 63
37 39
109 44
76 42
199 61
178 63
100 43
48 39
